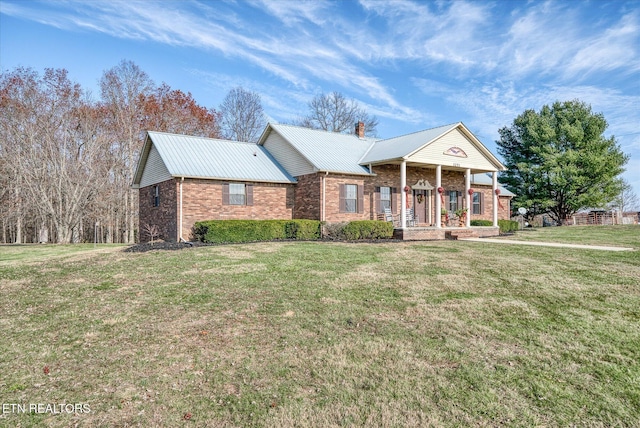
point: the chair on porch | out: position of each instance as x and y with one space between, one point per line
411 219
388 216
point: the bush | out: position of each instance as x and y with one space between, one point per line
368 229
302 229
228 231
334 231
507 226
481 223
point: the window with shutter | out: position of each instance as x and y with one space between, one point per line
237 194
476 203
351 198
385 198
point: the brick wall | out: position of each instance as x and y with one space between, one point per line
504 211
163 216
202 200
308 193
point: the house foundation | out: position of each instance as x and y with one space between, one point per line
440 233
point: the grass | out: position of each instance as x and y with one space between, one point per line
620 235
12 254
325 334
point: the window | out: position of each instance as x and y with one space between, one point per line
453 200
385 198
156 196
476 203
351 198
236 194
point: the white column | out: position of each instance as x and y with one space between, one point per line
403 194
467 197
494 176
438 195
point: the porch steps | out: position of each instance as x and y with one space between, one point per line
462 233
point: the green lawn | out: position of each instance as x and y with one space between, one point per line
326 334
620 236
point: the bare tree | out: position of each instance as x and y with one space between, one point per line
152 231
242 116
627 199
57 150
67 162
123 89
333 112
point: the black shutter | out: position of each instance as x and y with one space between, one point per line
394 203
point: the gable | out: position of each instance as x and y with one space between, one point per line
454 149
321 150
287 156
155 171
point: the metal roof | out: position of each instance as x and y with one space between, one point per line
197 157
486 179
404 145
326 151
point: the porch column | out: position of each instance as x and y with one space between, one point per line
494 176
403 194
467 197
438 195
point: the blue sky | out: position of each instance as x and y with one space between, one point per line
414 65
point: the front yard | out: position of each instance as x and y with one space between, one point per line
325 334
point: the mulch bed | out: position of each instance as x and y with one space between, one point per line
169 246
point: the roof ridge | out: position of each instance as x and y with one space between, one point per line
417 132
201 138
326 132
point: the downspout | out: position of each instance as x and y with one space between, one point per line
324 192
180 238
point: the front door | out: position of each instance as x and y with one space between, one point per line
421 204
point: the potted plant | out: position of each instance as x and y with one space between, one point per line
444 216
462 216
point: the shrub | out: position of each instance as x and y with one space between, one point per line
481 223
227 231
302 229
507 226
368 229
334 231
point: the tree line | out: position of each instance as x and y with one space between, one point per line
67 160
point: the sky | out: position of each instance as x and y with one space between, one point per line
413 64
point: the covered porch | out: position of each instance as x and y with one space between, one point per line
435 182
425 204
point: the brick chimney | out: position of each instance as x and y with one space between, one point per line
360 129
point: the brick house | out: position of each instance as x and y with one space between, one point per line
295 172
